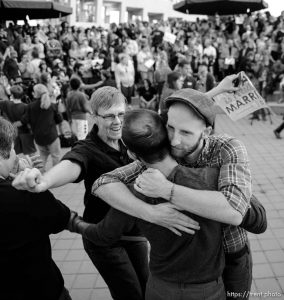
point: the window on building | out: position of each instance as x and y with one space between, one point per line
111 12
134 14
86 11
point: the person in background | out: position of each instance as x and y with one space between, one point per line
26 47
148 96
42 116
35 61
4 85
53 49
206 80
278 130
78 107
145 62
161 72
174 83
125 77
14 110
39 46
107 79
10 68
184 68
26 68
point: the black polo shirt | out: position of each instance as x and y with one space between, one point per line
95 158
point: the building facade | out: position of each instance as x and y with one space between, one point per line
104 12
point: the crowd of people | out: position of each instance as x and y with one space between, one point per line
45 94
137 59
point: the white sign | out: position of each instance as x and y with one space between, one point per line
239 20
245 101
229 61
169 37
149 63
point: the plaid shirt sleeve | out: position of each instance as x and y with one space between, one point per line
235 177
125 174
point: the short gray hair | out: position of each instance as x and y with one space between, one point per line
105 97
7 137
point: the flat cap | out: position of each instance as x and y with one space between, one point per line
202 105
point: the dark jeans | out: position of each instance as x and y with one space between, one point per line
162 290
128 92
124 267
237 275
280 128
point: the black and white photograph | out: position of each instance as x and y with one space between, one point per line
142 149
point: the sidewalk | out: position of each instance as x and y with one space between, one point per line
267 165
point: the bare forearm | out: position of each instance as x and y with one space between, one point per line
91 86
208 204
63 173
214 92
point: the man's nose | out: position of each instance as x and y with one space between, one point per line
175 139
117 120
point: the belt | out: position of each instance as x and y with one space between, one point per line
237 254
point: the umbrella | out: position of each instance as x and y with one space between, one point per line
19 9
222 7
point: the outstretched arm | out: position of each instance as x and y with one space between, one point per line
106 232
226 85
33 181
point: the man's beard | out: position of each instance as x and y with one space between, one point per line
181 153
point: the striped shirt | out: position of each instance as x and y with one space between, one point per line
219 151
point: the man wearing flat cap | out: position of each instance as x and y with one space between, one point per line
191 117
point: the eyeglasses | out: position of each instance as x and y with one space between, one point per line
111 117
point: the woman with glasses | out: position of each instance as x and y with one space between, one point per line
124 266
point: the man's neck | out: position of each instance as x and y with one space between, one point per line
165 166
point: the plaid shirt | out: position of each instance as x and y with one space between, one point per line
220 151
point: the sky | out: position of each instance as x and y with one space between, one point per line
275 6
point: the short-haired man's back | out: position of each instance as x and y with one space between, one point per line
196 258
191 262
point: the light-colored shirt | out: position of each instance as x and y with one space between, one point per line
124 74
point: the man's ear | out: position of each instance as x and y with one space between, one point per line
207 131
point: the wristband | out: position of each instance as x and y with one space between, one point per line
172 193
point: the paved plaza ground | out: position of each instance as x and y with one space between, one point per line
267 164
